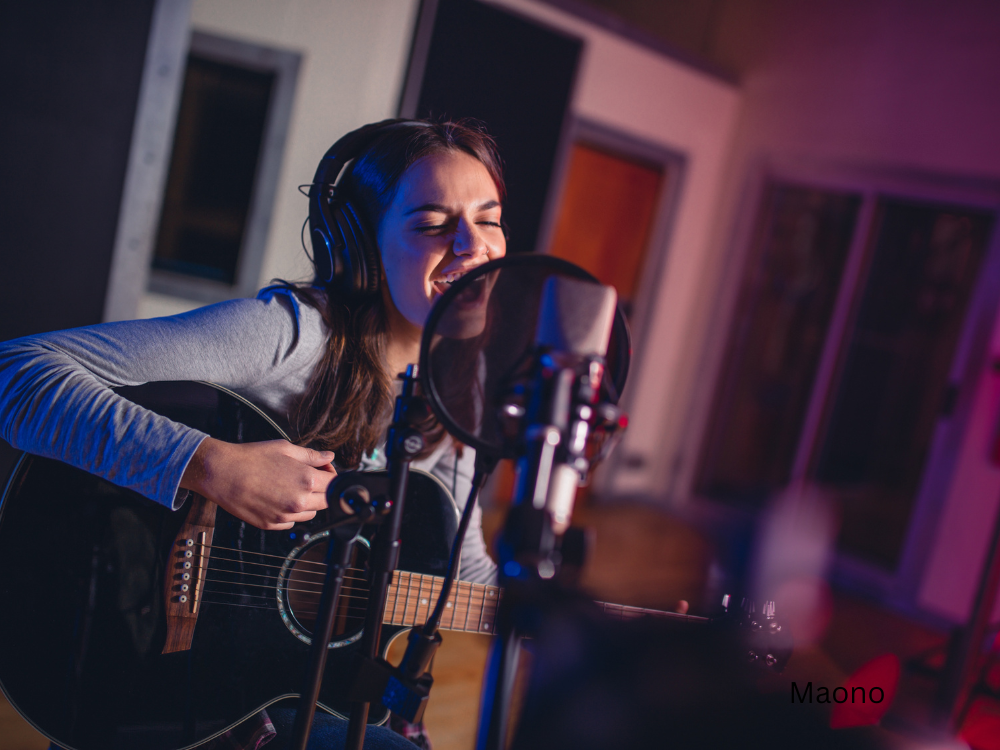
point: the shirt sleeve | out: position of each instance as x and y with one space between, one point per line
56 399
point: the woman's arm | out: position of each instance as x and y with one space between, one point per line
55 401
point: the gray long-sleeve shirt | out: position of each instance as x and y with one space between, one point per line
55 397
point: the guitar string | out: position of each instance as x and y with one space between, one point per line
418 609
294 569
474 603
348 630
275 578
414 618
210 547
316 591
296 563
432 593
269 577
271 586
480 602
477 600
623 612
295 566
300 582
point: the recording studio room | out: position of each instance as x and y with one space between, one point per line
764 508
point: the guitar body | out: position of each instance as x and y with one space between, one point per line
87 574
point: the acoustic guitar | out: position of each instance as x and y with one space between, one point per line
127 626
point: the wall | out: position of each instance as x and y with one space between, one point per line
70 86
648 96
893 86
354 58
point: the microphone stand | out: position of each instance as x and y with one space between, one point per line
408 686
338 556
404 442
555 435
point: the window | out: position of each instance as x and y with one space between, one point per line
842 358
789 290
223 169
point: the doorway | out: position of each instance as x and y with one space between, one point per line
612 214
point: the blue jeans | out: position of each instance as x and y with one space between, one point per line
329 733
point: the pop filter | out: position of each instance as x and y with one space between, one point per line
479 343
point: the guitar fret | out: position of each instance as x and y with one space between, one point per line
452 599
418 579
420 600
430 599
474 614
493 594
395 601
397 619
468 609
474 627
482 606
406 598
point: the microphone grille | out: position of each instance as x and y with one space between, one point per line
576 316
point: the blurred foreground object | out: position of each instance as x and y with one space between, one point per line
650 684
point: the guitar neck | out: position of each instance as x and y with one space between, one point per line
621 612
472 607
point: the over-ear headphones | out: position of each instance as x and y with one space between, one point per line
345 252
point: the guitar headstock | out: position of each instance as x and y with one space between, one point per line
767 640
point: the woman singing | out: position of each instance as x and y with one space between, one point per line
320 358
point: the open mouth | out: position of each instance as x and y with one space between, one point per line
444 283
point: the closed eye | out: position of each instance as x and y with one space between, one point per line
427 228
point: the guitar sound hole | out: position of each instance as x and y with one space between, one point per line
305 584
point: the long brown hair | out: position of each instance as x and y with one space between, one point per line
347 404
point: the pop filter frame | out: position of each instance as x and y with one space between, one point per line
621 341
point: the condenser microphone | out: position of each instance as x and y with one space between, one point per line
574 326
575 317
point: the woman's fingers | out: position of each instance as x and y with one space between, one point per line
271 485
311 457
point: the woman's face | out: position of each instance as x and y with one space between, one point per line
443 222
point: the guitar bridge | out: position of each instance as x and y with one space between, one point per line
187 568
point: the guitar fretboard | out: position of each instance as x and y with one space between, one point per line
471 607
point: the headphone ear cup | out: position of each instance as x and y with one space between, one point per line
345 253
322 231
360 267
